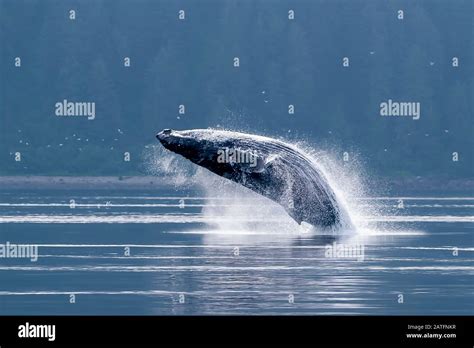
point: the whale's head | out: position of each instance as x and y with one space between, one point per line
185 143
215 150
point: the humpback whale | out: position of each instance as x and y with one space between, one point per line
269 167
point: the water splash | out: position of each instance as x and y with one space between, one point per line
175 170
344 178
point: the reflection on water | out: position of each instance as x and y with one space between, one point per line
140 253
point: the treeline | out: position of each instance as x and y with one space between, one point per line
191 62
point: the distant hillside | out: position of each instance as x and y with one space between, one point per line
290 80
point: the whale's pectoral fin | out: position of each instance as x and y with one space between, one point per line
289 201
288 204
294 215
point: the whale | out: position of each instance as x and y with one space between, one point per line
272 168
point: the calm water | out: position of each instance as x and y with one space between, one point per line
183 261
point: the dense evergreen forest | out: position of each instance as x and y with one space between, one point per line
148 66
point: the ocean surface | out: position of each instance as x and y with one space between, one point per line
180 253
